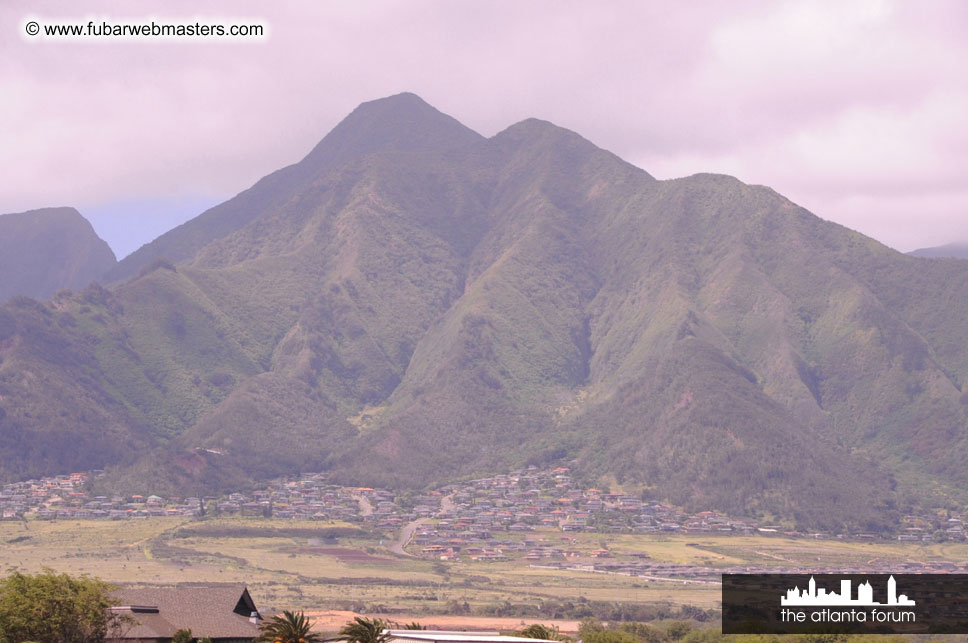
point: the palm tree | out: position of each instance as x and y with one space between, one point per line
414 625
544 632
365 630
291 627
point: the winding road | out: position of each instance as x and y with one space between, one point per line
406 533
408 530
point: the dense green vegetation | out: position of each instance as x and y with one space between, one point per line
55 608
413 303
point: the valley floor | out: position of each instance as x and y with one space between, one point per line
327 566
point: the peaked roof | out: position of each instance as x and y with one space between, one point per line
217 612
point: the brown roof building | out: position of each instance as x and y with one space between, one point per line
226 614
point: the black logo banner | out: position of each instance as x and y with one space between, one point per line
847 603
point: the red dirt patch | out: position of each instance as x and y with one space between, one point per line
332 620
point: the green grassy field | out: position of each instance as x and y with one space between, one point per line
285 567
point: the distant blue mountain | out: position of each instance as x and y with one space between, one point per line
957 250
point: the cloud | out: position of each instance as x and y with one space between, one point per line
844 106
855 110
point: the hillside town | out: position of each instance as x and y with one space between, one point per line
486 519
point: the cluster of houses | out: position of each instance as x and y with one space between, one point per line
924 528
462 519
64 497
476 512
310 498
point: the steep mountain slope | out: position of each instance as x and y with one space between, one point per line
59 407
43 251
412 303
376 126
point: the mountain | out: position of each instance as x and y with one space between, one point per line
43 251
951 250
404 122
413 303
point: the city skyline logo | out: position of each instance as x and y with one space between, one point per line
814 596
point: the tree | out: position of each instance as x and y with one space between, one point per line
643 631
588 627
182 636
364 630
56 608
545 632
291 627
677 629
610 636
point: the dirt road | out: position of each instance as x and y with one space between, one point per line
407 531
366 508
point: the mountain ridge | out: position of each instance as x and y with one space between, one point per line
49 249
956 250
418 308
369 129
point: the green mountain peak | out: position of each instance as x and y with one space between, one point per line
413 303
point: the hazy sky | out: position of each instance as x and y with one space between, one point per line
857 110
